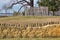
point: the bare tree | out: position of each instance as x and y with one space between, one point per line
5 8
31 3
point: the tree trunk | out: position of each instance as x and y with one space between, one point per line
53 13
48 13
31 7
32 3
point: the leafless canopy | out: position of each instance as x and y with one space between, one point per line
21 2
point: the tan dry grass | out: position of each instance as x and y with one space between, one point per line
30 32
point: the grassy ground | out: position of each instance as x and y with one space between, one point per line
31 39
27 19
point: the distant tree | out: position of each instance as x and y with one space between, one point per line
53 5
22 2
5 8
16 13
23 13
0 10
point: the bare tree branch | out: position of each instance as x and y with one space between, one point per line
21 7
14 2
19 2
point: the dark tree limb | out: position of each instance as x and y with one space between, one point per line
21 7
19 2
31 4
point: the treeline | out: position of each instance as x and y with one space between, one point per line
53 5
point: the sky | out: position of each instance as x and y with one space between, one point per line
15 7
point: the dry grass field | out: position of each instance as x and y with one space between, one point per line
31 39
29 20
30 28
